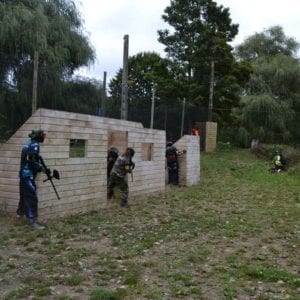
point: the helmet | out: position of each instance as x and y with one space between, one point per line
37 134
113 152
130 151
169 144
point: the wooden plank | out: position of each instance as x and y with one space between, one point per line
69 194
10 174
73 181
47 189
11 154
10 195
77 167
82 173
8 181
79 160
97 148
69 122
9 168
82 117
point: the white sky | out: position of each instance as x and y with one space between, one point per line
106 23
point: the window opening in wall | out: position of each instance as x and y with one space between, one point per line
147 151
77 148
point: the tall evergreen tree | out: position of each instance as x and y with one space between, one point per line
200 34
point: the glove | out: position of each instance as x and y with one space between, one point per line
48 172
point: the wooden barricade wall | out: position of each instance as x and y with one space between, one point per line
83 183
189 163
208 135
211 137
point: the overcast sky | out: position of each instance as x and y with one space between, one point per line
106 23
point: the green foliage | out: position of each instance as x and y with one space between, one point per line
74 280
272 274
271 101
101 294
243 138
201 34
268 43
147 71
54 30
264 117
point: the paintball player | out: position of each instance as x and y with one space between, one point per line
195 132
278 161
172 163
118 175
112 155
29 168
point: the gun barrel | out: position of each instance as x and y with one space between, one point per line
54 189
49 178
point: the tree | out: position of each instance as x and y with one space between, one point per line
146 70
271 103
201 34
82 95
54 29
268 43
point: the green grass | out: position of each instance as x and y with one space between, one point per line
233 236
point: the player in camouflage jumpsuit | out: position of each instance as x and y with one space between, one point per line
118 175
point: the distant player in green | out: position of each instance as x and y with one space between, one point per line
278 161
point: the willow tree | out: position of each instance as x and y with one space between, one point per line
54 29
272 96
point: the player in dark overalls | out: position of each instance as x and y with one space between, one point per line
172 164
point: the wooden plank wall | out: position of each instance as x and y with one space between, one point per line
211 136
189 163
82 186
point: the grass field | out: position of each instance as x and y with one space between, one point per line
233 236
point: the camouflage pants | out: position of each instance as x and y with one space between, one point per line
121 182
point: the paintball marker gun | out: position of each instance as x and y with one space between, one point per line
55 174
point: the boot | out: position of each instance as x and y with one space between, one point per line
19 217
36 225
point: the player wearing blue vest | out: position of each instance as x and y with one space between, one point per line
29 168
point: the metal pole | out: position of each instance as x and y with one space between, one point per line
34 80
152 106
124 100
104 94
182 117
211 91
